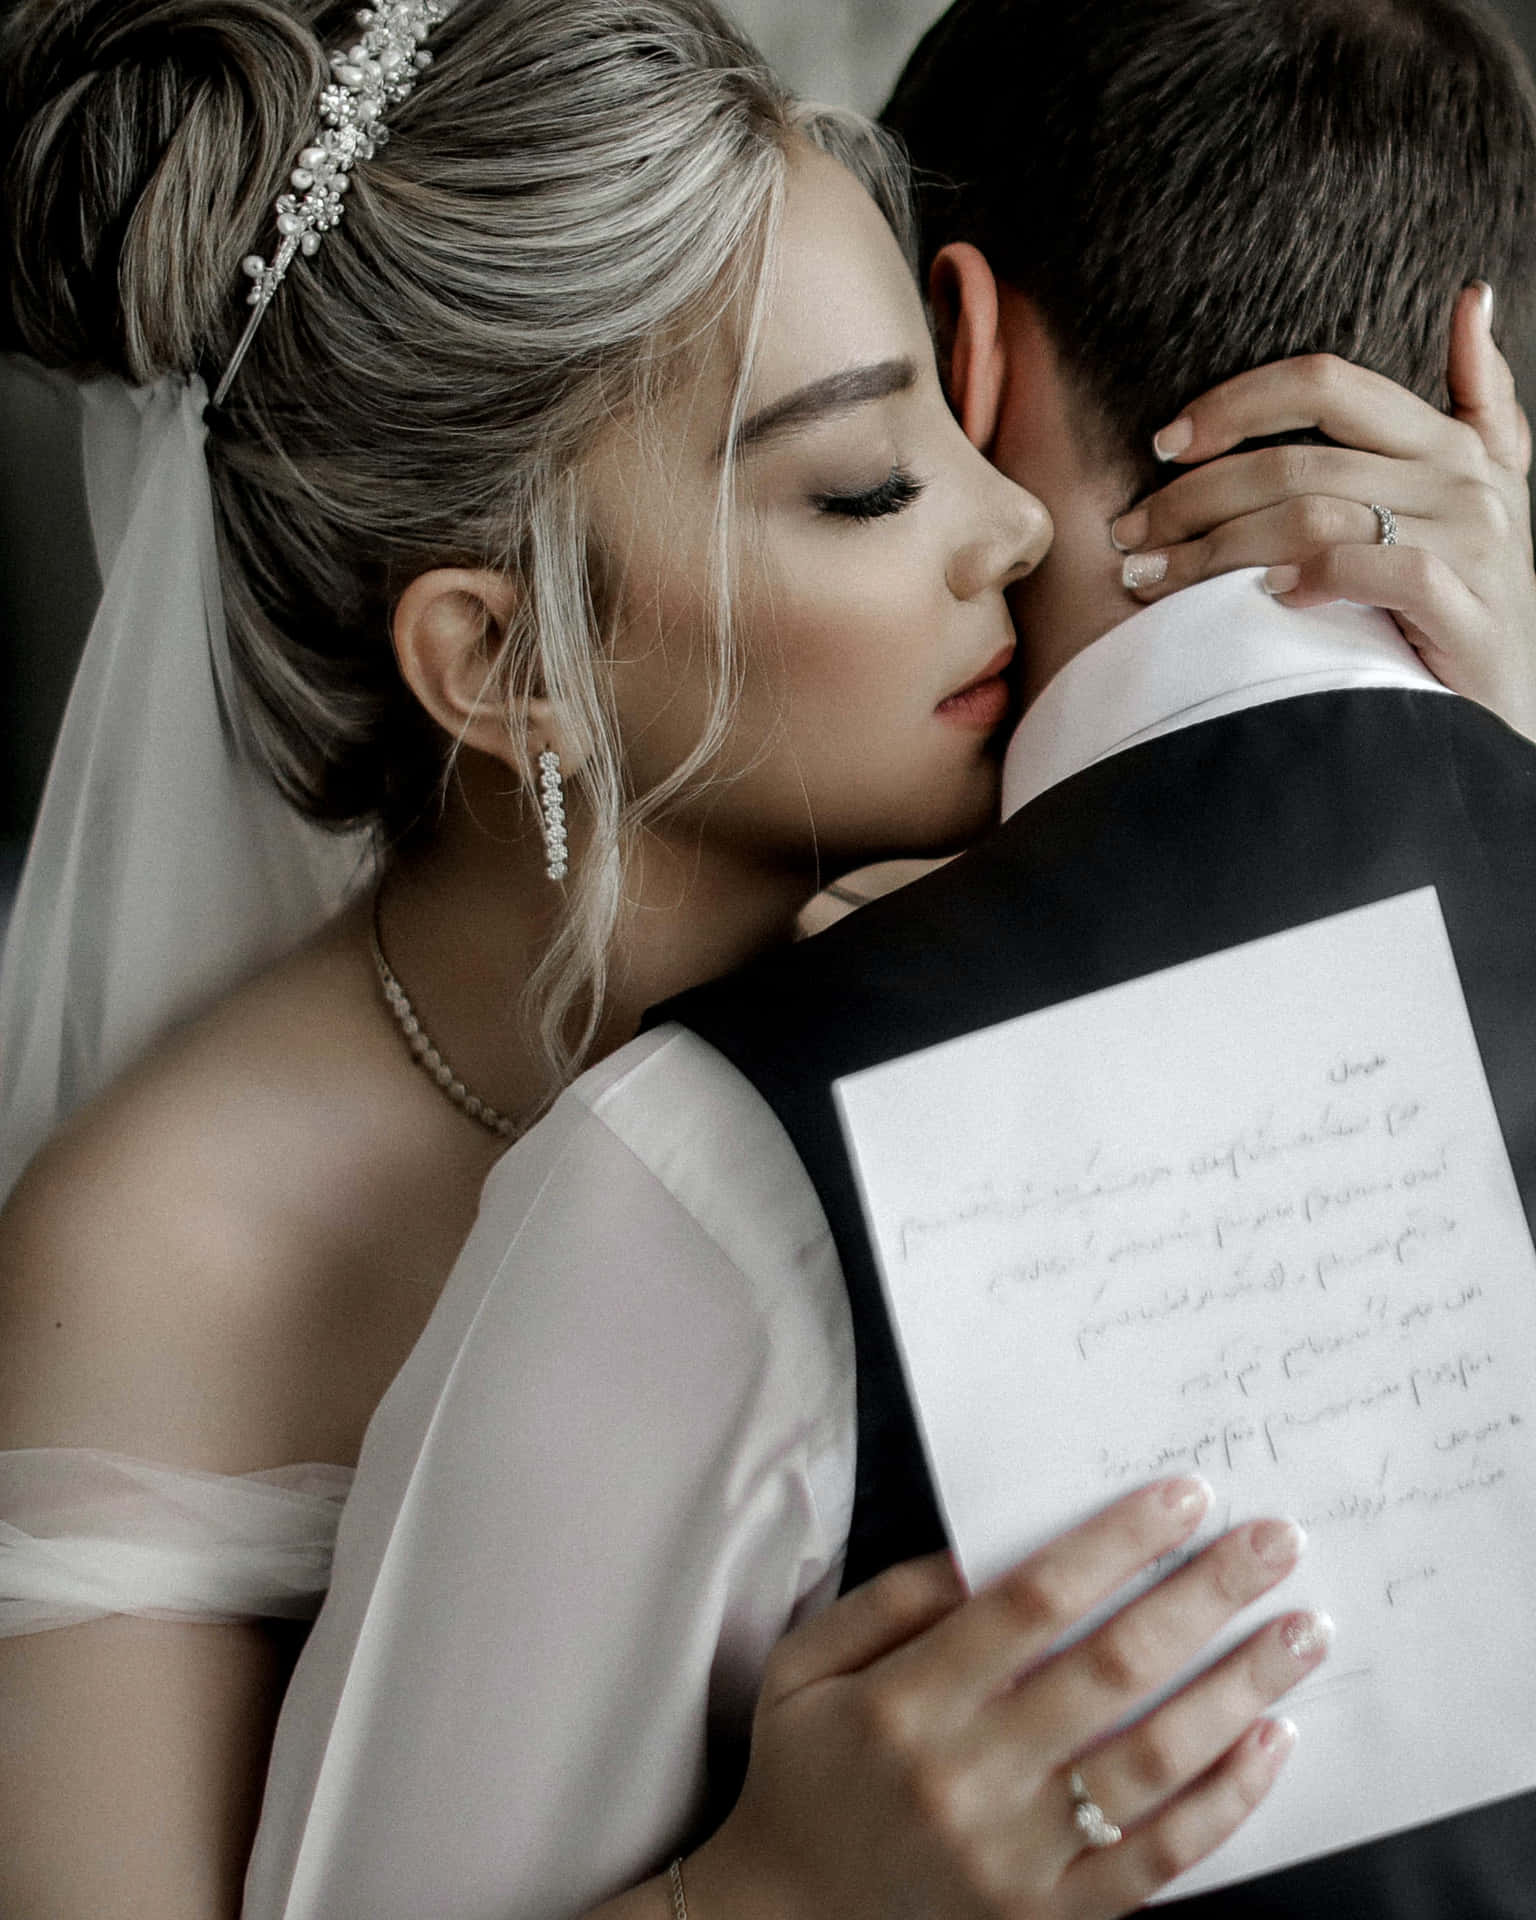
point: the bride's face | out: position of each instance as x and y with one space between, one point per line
870 550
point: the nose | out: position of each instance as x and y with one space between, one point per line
1011 536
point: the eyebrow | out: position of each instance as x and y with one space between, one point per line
837 393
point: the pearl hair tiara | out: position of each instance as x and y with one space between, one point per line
378 71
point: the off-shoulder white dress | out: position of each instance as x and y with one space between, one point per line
84 1534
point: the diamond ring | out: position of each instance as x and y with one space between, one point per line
1387 521
1090 1819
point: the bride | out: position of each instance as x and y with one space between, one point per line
594 559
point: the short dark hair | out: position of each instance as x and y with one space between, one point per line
1188 188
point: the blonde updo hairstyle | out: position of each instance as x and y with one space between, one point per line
576 193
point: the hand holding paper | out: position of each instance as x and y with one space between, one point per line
919 1745
1253 1218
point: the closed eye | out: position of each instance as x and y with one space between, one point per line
895 492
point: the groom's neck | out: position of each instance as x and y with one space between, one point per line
1076 594
1045 441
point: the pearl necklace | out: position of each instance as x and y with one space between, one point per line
425 1054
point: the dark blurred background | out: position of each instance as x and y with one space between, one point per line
838 50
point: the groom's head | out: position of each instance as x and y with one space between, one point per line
1172 191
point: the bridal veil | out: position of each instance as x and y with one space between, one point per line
165 865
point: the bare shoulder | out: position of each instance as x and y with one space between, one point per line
223 1261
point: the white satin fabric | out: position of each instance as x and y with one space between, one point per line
617 1466
165 866
88 1533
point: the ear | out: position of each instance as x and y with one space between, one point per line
449 629
963 293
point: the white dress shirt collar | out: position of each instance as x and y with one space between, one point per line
1215 648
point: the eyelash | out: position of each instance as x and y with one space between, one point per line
894 494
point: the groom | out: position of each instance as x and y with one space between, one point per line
1123 202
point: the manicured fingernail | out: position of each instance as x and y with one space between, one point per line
1130 530
1278 1543
1306 1634
1281 579
1187 1497
1277 1737
1172 441
1144 570
1485 300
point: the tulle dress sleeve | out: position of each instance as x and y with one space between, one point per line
85 1533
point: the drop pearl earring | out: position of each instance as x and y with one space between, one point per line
552 808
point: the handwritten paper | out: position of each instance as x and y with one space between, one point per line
1251 1217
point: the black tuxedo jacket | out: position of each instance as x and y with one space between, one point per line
1221 833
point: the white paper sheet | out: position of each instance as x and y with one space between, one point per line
1251 1217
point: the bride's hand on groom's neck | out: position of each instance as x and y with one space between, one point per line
1458 581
